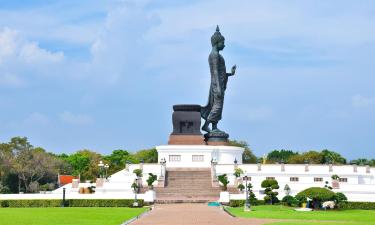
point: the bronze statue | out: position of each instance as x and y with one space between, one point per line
219 78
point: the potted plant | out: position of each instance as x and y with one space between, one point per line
335 181
237 173
138 172
150 180
224 180
135 187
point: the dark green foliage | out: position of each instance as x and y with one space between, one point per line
253 199
340 197
280 155
269 187
224 180
241 187
70 203
332 157
357 205
247 156
138 172
290 201
151 179
316 194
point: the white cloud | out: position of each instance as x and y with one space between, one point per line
361 101
14 47
75 119
11 80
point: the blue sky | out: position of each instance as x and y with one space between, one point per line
104 75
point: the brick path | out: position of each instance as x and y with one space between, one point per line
193 214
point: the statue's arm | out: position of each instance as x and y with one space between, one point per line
233 71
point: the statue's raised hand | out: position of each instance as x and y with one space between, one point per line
234 69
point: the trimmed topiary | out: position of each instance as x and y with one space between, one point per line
317 194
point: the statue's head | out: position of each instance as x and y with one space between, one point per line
217 39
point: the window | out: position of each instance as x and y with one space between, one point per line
343 180
294 179
270 178
174 158
197 158
318 179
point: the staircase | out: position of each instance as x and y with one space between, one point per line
191 185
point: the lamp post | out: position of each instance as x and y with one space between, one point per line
101 166
162 163
106 166
247 203
135 203
214 163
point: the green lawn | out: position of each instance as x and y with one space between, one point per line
347 217
67 216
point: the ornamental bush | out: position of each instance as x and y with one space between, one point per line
317 194
241 203
290 201
138 172
271 195
151 179
224 180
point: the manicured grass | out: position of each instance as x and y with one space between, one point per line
338 217
67 216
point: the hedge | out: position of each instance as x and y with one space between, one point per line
240 203
356 205
70 203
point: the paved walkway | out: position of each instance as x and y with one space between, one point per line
193 214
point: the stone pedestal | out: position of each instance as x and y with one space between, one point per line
216 138
186 125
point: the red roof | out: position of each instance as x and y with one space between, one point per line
66 179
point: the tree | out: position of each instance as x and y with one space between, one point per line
147 155
313 157
332 157
31 164
269 187
280 155
247 155
318 195
85 164
253 199
224 180
116 160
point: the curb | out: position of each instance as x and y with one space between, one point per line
129 221
226 210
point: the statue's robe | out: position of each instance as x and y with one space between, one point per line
213 110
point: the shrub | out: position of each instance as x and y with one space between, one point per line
316 193
237 172
224 180
357 205
241 187
270 185
151 179
138 172
290 201
70 203
340 197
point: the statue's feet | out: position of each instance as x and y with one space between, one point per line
216 130
206 128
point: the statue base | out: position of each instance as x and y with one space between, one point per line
186 140
216 138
